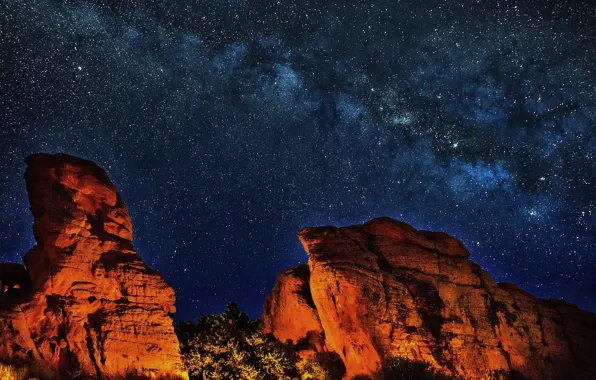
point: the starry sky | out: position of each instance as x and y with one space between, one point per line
228 125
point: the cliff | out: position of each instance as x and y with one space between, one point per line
384 289
86 305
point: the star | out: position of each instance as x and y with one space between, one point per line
227 135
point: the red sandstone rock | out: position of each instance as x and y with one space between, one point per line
384 289
290 311
95 308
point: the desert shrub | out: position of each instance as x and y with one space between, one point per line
321 366
230 345
14 372
398 368
8 372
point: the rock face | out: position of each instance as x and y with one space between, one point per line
87 305
384 289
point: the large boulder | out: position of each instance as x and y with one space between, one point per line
384 289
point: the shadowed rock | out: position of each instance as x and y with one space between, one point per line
14 282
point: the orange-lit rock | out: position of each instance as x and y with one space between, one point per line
93 309
290 313
384 289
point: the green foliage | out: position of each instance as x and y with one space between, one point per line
322 366
230 345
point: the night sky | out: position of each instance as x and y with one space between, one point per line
228 125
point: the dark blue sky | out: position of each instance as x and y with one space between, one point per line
230 125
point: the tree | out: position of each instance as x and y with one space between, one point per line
230 345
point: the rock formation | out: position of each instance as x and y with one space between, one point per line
384 289
87 305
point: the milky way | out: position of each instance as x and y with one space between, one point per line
229 125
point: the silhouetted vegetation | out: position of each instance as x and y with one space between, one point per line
504 375
397 368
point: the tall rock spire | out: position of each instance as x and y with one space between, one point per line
95 308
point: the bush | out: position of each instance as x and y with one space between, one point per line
398 368
321 366
8 372
230 345
11 372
